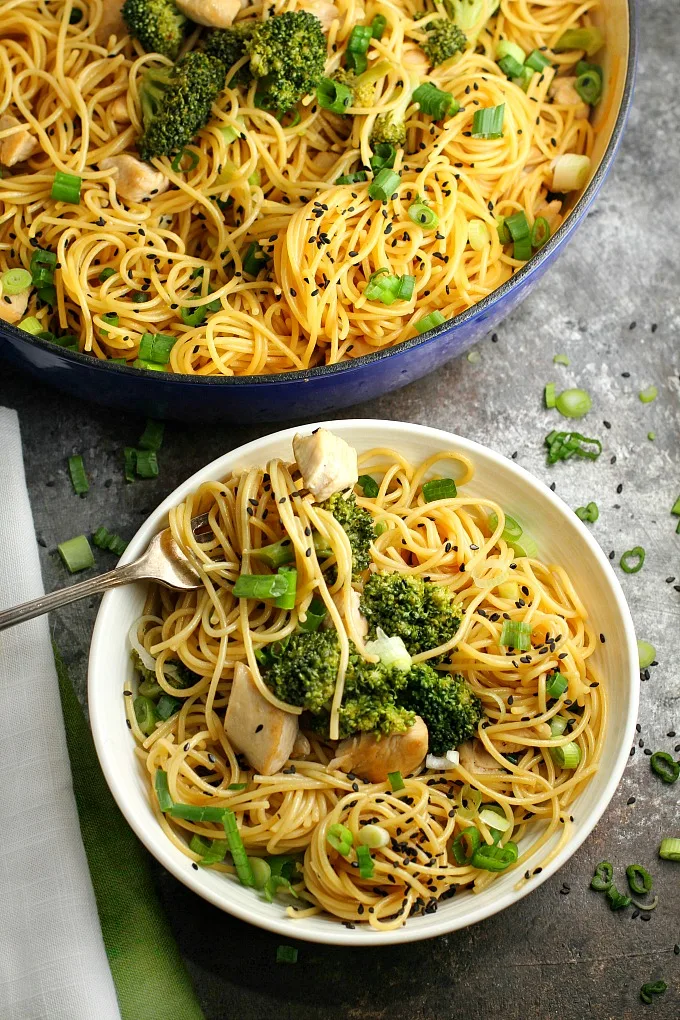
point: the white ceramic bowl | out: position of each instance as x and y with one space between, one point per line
561 538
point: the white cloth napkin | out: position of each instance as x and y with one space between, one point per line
53 964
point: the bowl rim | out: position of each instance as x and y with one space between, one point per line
163 850
481 308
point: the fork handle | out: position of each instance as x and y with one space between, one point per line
46 603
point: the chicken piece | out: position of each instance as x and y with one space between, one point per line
212 13
119 110
301 748
357 618
563 93
372 758
264 733
323 10
475 758
327 463
415 61
12 309
541 731
111 22
135 181
19 146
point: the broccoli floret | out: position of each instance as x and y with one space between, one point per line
363 85
304 669
176 102
390 127
229 46
288 56
449 708
444 40
158 25
420 613
357 524
369 701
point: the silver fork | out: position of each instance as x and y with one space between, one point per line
163 561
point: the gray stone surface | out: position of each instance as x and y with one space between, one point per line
611 305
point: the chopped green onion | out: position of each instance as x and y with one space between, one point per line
140 297
384 155
632 560
429 321
156 347
287 599
357 48
565 445
383 186
316 614
556 685
366 867
537 61
130 463
76 554
146 464
388 289
495 858
355 178
260 586
396 781
549 395
470 801
503 232
558 725
648 395
237 786
420 213
521 250
589 513
31 325
145 714
516 634
152 436
333 95
669 849
76 470
229 134
236 849
665 767
570 172
589 87
439 488
373 836
434 102
14 281
589 39
111 319
276 554
466 843
573 403
540 232
646 654
652 988
254 259
197 812
165 801
103 539
378 26
488 123
639 880
512 530
340 838
617 900
106 274
369 486
603 878
510 67
260 868
494 818
66 188
508 590
675 509
506 48
286 954
211 851
380 527
194 160
517 226
561 359
167 706
567 756
651 436
523 81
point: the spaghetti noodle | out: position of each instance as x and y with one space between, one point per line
126 268
508 781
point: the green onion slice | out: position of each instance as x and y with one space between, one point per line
488 123
664 766
287 599
388 289
357 48
167 706
66 188
76 469
648 395
512 529
384 185
495 858
565 445
333 95
540 232
384 155
561 359
537 61
340 838
517 635
197 812
378 26
632 560
236 849
470 801
589 513
316 614
439 488
510 67
567 756
429 321
373 836
651 988
556 685
549 395
76 554
669 850
211 851
558 725
396 781
589 39
146 464
639 880
466 843
156 347
646 654
286 954
152 436
573 403
261 586
145 714
14 281
603 878
194 160
434 102
617 900
369 486
589 87
355 178
421 214
366 866
33 326
165 801
254 259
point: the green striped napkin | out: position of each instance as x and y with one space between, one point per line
150 978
